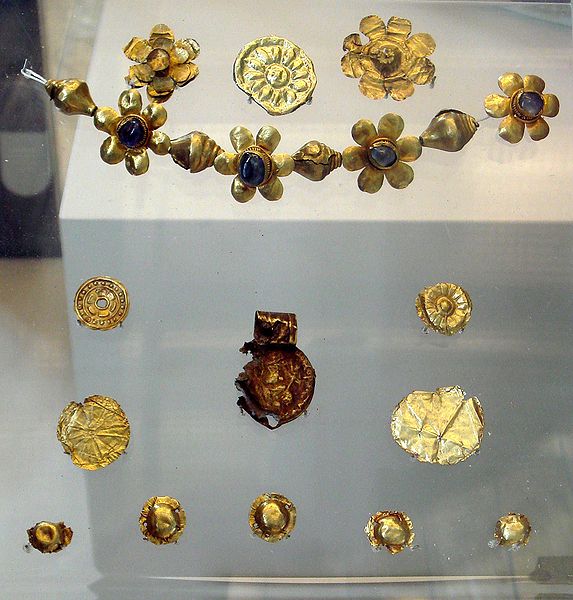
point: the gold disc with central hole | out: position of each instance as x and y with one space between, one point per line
101 303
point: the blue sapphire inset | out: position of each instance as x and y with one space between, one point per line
531 103
132 132
381 155
252 169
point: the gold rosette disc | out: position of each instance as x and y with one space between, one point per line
272 517
276 73
162 520
391 530
48 537
101 303
512 530
444 307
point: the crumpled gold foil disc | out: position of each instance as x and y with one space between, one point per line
162 520
512 530
444 307
101 303
391 530
48 537
272 517
94 433
441 427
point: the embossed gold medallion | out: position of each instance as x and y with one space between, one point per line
48 537
391 530
272 517
512 530
275 73
162 520
441 427
444 307
94 433
101 303
278 384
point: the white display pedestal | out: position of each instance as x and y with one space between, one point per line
494 218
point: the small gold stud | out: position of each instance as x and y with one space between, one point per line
162 520
272 517
48 537
391 530
512 530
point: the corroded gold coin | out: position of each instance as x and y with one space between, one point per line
441 427
94 433
162 520
444 307
391 530
272 517
101 303
48 537
275 73
512 530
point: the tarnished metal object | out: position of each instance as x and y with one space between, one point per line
316 160
94 433
272 517
444 307
275 73
449 130
391 530
101 303
162 520
48 537
194 151
71 96
512 530
279 382
441 427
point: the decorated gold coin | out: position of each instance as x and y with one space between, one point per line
101 303
444 307
272 517
162 520
48 537
94 433
391 530
512 530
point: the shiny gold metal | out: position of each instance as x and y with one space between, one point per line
316 160
195 151
279 382
391 530
512 530
94 433
272 517
245 145
48 537
449 130
101 303
275 73
370 140
515 118
163 62
392 61
162 520
441 427
444 307
71 96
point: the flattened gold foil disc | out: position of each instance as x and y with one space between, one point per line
162 520
48 537
101 303
272 517
444 307
512 530
391 530
94 433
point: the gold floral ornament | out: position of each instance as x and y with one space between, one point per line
444 307
512 530
380 154
523 106
275 73
163 62
391 530
392 61
131 132
254 165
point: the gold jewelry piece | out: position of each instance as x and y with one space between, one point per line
392 61
275 73
444 307
195 151
279 381
512 530
523 106
441 427
48 537
94 433
101 303
316 160
272 517
450 130
391 530
163 62
162 520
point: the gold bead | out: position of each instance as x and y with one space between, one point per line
316 160
449 130
71 96
195 151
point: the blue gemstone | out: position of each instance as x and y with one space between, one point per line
531 103
132 132
252 169
382 156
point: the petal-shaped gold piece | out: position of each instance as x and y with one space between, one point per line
159 143
400 89
398 27
130 102
364 132
101 303
139 75
352 43
511 129
273 190
421 44
391 530
409 148
155 115
272 517
160 32
184 73
422 71
240 191
137 49
370 179
106 119
352 64
550 105
355 158
497 106
390 126
268 138
510 83
190 47
162 520
161 85
533 83
400 175
372 27
538 129
227 163
48 537
444 307
241 138
512 530
158 60
284 164
111 151
137 163
371 84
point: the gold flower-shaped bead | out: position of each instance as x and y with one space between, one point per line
131 132
381 154
163 62
524 105
392 61
444 307
254 164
